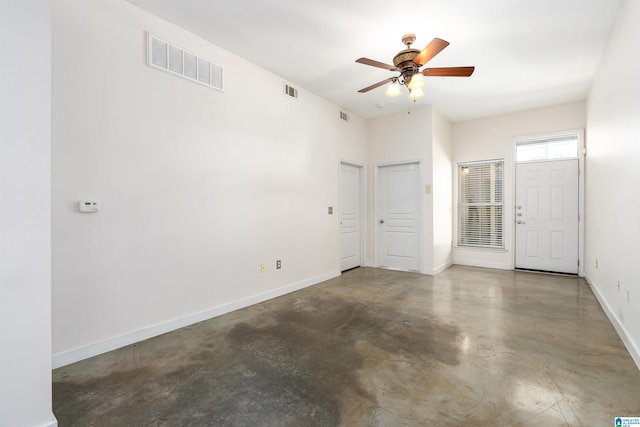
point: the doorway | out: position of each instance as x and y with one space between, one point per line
547 216
398 216
350 216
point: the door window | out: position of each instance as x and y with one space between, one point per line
559 147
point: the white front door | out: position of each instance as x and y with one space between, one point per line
546 216
397 216
350 217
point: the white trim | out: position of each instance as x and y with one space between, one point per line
581 182
480 249
632 346
483 264
72 356
437 270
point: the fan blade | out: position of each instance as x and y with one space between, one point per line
367 61
449 71
368 88
432 49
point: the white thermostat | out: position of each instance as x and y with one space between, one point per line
89 206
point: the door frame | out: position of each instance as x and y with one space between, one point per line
376 210
581 181
362 203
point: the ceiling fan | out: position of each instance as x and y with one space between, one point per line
408 63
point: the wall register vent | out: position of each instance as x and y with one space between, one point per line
290 91
178 61
344 116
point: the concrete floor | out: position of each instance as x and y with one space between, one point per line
472 347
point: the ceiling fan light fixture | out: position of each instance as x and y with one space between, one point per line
407 63
393 90
415 94
417 82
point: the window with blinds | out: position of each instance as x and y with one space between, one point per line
481 204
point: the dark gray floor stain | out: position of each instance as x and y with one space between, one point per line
292 371
309 355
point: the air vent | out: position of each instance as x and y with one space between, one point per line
344 116
290 91
165 56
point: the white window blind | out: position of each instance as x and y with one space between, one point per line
481 204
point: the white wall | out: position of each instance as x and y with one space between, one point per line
492 138
613 155
197 187
423 136
442 189
25 225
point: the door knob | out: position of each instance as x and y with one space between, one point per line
381 221
521 221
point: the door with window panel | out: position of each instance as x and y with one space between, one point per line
547 216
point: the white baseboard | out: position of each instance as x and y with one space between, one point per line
437 270
53 423
72 356
483 264
632 346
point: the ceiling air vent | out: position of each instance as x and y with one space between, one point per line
344 116
175 60
290 91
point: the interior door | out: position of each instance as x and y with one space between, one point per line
397 200
350 216
546 216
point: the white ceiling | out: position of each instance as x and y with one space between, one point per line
527 53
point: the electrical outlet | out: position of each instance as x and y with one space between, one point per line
278 264
263 267
619 283
596 262
628 296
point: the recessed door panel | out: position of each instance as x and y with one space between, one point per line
558 245
533 244
557 203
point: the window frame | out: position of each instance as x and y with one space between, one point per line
546 141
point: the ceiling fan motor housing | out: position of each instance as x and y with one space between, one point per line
404 63
405 58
